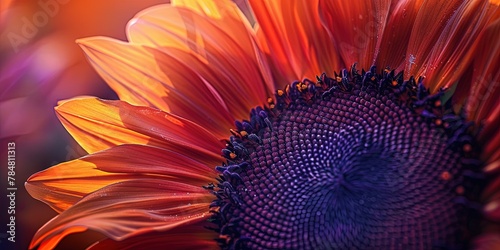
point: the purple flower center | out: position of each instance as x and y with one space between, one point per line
355 161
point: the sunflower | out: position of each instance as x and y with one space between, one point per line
324 125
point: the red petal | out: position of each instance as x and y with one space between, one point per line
356 28
443 33
296 43
489 241
483 104
128 209
65 184
492 209
397 34
185 237
466 24
432 19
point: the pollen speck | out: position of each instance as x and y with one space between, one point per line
446 175
232 155
467 148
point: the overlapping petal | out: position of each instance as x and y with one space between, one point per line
291 35
489 241
439 44
423 38
396 35
63 185
217 34
172 80
356 28
196 66
99 124
483 105
129 208
177 238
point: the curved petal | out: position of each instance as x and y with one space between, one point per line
483 105
397 33
489 241
127 209
225 13
100 124
147 77
218 35
356 28
63 185
431 20
184 237
138 81
443 33
292 36
492 207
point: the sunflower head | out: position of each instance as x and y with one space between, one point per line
355 161
229 135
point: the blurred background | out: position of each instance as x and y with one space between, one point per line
40 64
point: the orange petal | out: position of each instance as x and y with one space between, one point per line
291 34
99 124
130 71
63 185
184 237
148 77
356 28
127 209
223 41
